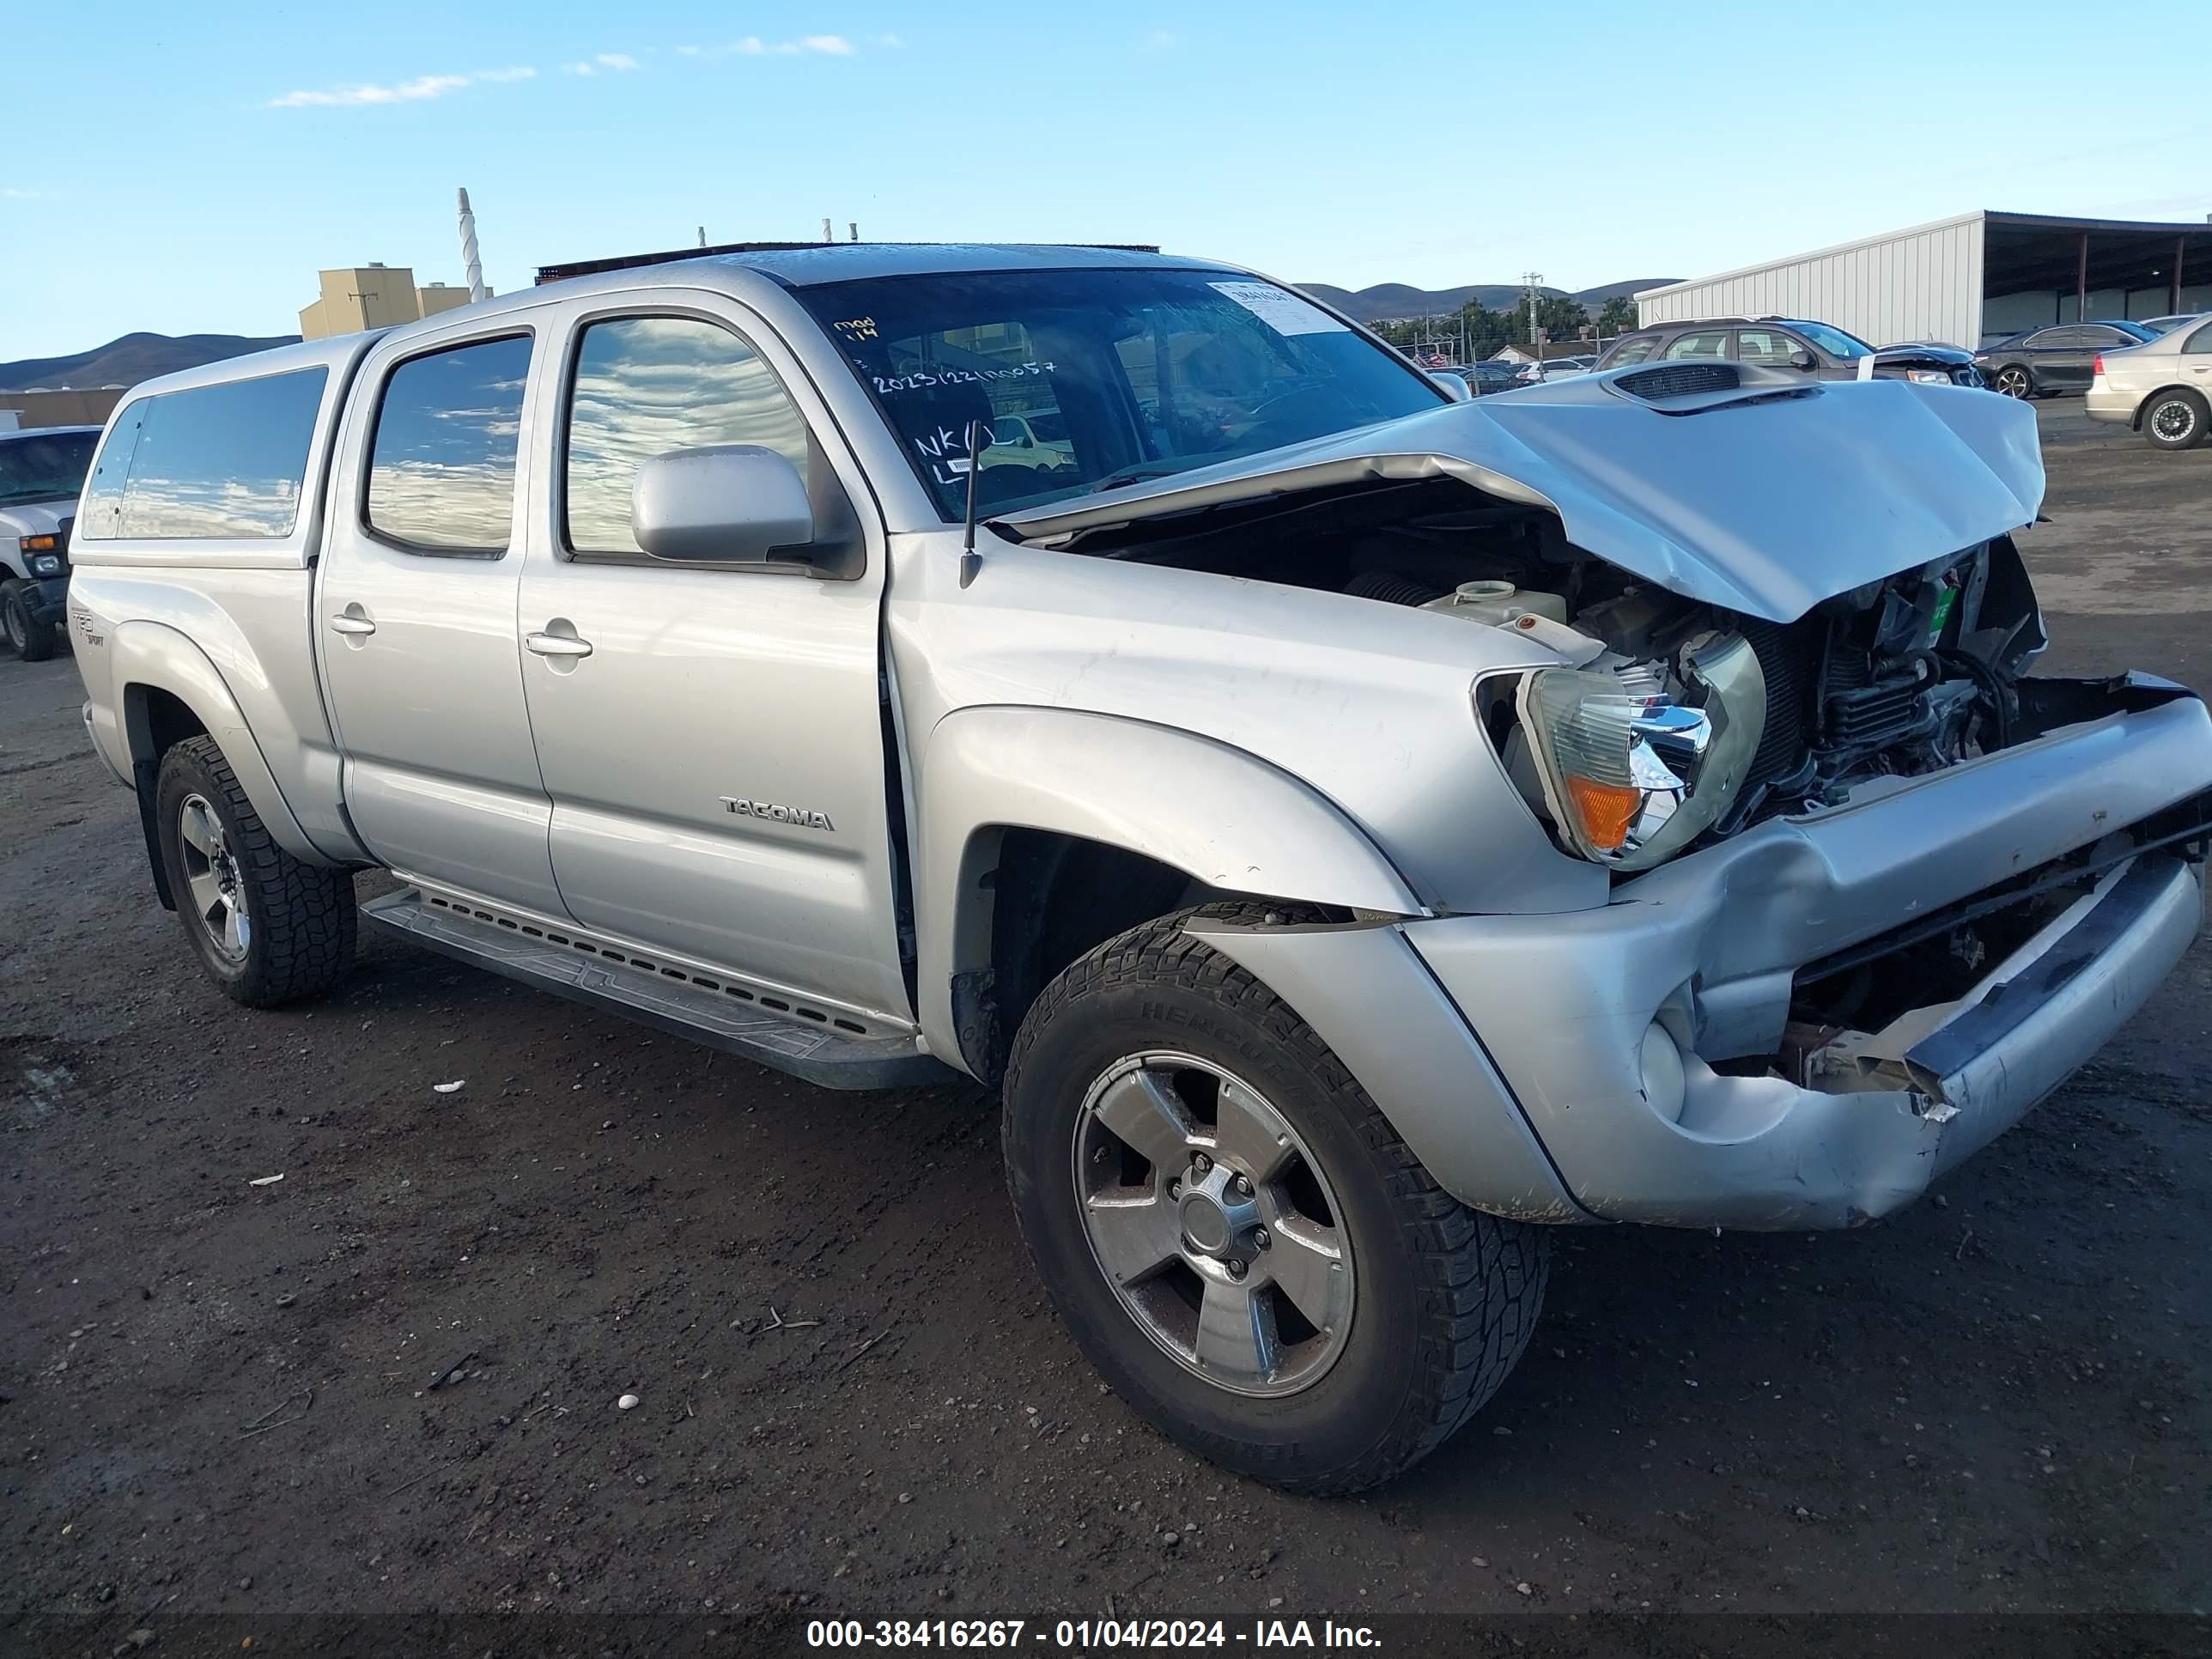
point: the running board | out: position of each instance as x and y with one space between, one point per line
704 1011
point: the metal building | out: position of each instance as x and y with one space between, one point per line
1964 281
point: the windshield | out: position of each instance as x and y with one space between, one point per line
1120 375
44 466
1834 341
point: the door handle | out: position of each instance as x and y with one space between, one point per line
557 645
352 621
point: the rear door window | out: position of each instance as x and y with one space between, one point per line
442 468
2199 341
1633 350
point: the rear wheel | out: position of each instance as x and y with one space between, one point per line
268 928
33 641
1237 1236
2013 381
2175 420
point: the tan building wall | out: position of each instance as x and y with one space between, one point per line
356 297
62 408
438 297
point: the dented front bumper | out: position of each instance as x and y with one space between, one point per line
1623 1042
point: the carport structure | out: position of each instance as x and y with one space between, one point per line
1972 278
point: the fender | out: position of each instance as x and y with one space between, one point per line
1219 814
155 655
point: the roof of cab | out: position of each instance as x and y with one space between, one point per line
803 265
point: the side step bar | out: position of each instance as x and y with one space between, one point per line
828 1058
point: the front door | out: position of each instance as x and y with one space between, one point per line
711 735
415 619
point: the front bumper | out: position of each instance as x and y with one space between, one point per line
1589 1035
46 598
2105 402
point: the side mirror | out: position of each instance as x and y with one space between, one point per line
728 504
1455 388
1803 359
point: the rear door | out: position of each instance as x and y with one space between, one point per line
2061 357
712 737
415 615
2096 338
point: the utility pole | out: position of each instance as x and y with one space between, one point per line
852 230
1534 280
826 236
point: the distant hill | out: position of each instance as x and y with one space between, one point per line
1396 299
127 361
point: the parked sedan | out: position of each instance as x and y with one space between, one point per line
2162 389
2044 362
1821 351
1557 368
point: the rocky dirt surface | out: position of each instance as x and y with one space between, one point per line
388 1382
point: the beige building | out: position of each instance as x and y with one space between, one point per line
90 407
374 296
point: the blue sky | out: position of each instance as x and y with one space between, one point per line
185 173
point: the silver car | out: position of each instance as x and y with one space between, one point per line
2162 389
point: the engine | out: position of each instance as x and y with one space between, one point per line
1669 720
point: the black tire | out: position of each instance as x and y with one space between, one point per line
299 940
2175 419
33 641
2015 381
1445 1298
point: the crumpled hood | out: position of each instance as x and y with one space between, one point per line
1767 498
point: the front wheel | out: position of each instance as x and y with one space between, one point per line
31 641
1236 1236
2175 420
268 928
2015 381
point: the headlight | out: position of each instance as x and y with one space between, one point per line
1927 377
46 564
1636 766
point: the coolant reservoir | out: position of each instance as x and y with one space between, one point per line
1498 602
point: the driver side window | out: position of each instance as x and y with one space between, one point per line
644 385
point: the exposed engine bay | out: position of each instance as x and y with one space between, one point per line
1668 721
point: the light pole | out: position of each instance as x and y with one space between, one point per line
1534 279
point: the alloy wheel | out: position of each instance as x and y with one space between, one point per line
2014 382
19 632
2172 421
1214 1223
211 875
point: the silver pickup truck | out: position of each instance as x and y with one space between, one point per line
1357 829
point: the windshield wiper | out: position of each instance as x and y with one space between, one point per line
1138 476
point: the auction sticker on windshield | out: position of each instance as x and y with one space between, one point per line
1282 311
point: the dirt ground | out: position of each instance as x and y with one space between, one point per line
215 1399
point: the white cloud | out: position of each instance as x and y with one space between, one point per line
18 193
1162 40
422 88
578 68
620 62
831 45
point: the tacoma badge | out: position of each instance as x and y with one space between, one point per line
760 809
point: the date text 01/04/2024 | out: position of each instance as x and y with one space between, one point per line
1084 1635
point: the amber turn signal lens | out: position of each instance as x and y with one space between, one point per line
1605 810
36 544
